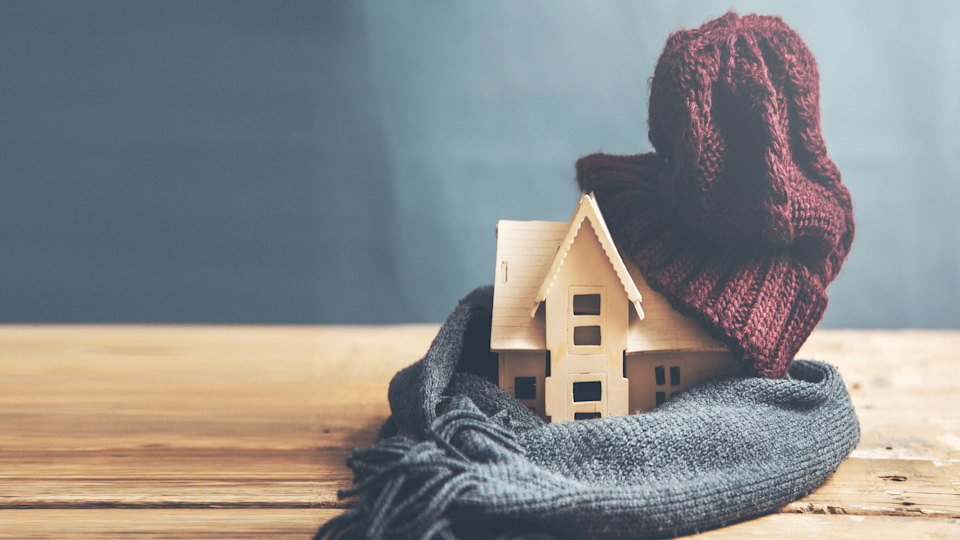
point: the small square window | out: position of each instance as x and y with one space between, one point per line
525 387
587 391
586 335
586 304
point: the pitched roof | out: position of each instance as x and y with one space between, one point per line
588 209
525 250
526 253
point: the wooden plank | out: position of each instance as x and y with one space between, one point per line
231 524
832 527
159 417
161 462
239 387
163 524
174 478
887 487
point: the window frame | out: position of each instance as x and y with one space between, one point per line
574 321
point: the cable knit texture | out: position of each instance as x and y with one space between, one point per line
739 218
461 458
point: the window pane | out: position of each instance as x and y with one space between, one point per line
586 335
586 391
525 387
586 304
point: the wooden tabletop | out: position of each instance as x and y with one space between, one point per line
242 432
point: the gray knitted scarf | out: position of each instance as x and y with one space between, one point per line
460 458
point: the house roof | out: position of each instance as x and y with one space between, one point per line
588 209
525 250
527 253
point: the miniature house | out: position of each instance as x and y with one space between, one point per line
579 332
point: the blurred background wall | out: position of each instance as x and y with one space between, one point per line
346 162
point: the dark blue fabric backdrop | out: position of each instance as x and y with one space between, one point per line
346 162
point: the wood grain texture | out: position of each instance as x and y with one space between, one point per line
905 385
287 524
828 527
242 432
163 524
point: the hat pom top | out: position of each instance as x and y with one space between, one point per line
735 116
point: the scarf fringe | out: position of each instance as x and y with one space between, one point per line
405 487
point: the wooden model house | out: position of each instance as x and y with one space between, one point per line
579 333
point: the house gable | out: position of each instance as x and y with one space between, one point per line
584 278
528 251
588 210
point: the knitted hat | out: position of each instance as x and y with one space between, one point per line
739 218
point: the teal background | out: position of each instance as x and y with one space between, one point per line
346 162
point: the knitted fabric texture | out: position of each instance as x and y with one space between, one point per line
461 458
739 218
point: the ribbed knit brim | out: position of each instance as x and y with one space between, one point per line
739 218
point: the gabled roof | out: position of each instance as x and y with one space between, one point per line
527 251
588 209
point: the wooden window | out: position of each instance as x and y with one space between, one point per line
525 387
586 336
585 319
587 391
586 304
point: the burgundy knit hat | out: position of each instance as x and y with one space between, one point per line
739 218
